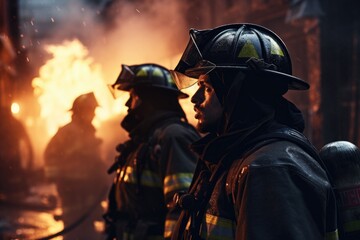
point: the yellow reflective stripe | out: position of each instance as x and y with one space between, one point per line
248 51
169 79
177 181
219 228
332 235
148 178
352 226
275 48
157 72
142 73
169 227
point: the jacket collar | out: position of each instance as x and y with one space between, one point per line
212 148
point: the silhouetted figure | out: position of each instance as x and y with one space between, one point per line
74 164
342 159
16 153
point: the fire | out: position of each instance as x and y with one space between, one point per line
72 72
69 73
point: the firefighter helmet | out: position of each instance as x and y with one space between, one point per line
342 159
84 102
146 75
251 48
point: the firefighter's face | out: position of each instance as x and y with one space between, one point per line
208 110
89 114
134 101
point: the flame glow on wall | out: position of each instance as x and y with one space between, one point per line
68 74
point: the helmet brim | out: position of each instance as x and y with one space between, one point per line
127 87
293 82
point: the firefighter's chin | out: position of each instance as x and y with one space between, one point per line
199 118
200 126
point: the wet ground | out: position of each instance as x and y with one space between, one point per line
34 215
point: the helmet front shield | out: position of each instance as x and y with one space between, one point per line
125 78
123 82
191 64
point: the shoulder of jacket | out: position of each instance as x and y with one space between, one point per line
280 154
276 153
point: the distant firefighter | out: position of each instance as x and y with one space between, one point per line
342 159
73 162
16 152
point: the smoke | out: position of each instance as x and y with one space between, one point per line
127 32
149 31
134 33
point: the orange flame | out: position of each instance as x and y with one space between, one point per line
70 73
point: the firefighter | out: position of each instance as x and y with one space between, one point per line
73 162
342 159
258 177
156 162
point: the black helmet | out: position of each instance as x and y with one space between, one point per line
146 75
84 102
236 46
342 158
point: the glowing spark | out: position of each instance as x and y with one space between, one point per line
15 108
52 20
138 10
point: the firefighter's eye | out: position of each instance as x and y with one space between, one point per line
208 89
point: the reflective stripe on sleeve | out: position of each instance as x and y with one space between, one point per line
219 228
148 178
177 182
